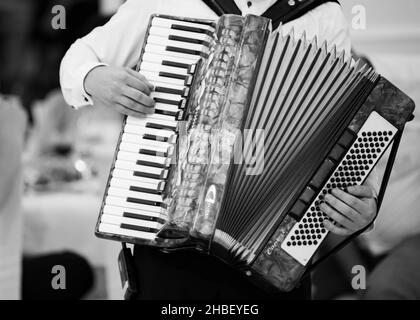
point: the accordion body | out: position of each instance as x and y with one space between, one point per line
252 129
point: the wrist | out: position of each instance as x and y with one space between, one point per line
89 80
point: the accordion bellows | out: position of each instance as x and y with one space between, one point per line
272 123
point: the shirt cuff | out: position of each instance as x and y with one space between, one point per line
84 99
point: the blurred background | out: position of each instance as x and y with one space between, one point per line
54 161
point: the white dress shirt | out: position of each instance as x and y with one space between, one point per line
257 7
119 42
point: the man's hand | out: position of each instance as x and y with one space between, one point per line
352 210
123 89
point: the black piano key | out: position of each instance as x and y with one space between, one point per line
167 113
153 153
191 29
173 75
150 164
298 210
160 126
166 101
308 195
337 153
143 217
175 64
169 90
154 138
323 173
145 190
147 175
143 201
138 228
347 139
183 50
189 40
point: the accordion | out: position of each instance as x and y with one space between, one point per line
252 128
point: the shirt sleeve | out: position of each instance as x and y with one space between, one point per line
117 43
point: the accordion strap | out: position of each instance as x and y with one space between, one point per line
221 7
282 11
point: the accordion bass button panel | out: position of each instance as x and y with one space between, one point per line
134 204
364 151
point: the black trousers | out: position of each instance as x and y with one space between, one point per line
189 275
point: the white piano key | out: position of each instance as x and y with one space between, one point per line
148 66
124 193
155 49
130 156
115 220
131 138
167 23
146 149
163 118
127 184
136 128
167 96
135 148
171 120
122 202
165 33
149 144
154 76
143 125
177 44
119 211
113 229
156 118
159 58
155 184
126 165
166 107
153 118
160 146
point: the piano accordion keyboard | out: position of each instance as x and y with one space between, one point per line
371 142
134 202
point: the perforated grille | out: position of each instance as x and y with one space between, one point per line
372 141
